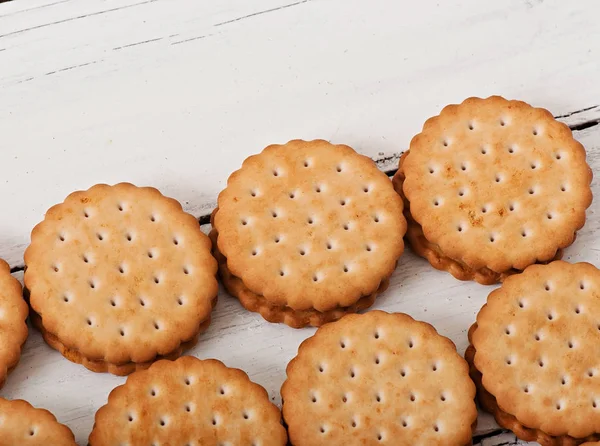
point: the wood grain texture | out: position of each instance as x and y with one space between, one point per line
176 93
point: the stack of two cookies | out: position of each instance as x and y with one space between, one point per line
118 277
492 186
534 354
307 231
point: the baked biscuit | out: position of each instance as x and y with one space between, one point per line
22 424
189 402
307 231
119 276
378 378
13 328
533 354
492 186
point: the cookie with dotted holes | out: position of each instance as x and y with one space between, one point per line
378 378
189 402
534 356
492 186
119 276
13 328
23 424
307 232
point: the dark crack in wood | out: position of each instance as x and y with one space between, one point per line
576 112
204 219
191 39
137 43
70 19
31 9
262 12
479 438
508 443
68 68
585 125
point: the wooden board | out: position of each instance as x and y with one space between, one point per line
176 93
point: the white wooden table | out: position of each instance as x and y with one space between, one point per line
176 93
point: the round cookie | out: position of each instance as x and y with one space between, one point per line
492 186
307 232
378 378
13 328
119 276
533 354
189 402
23 424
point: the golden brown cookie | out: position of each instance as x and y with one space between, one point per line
119 276
492 186
24 425
378 378
13 328
533 354
308 231
189 402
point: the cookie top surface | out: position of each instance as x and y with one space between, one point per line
378 378
120 273
22 424
13 328
189 402
536 346
310 225
497 183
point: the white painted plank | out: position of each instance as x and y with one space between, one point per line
84 100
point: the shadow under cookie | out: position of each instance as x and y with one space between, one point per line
102 366
307 231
